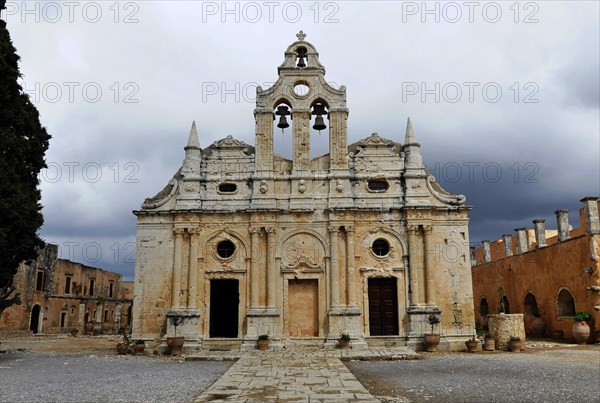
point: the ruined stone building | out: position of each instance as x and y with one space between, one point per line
555 273
243 242
59 295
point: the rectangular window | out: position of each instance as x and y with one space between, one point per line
111 287
68 285
72 311
106 315
94 315
92 283
39 284
63 319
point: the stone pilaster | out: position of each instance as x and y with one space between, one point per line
301 151
416 264
254 267
507 241
540 233
562 223
487 255
264 141
334 270
430 254
193 269
590 210
272 271
522 245
338 150
350 269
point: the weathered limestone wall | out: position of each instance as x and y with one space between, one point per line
504 326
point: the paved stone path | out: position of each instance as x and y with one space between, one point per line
301 376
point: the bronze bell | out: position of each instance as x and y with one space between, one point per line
282 111
301 63
319 123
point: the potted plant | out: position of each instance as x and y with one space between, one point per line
123 344
74 332
175 343
139 346
344 340
539 324
263 342
581 329
431 339
515 344
489 343
472 344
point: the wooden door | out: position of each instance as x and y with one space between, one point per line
224 308
383 307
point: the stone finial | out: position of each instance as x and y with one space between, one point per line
562 223
590 209
472 255
507 240
540 232
522 246
193 141
410 137
487 254
301 35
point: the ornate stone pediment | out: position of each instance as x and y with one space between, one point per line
302 250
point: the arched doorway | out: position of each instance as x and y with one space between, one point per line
531 306
34 324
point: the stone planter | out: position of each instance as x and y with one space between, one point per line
472 345
489 344
175 344
431 342
581 332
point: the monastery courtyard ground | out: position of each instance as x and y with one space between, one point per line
87 369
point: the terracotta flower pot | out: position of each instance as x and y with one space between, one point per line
431 342
581 331
139 348
515 346
263 344
121 348
175 344
489 344
343 343
471 345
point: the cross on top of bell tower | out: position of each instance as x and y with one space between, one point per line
301 35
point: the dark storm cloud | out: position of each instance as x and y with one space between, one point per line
176 63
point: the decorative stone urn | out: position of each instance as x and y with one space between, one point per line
581 332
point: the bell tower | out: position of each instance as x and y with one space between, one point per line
300 98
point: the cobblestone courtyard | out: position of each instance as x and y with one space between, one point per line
88 370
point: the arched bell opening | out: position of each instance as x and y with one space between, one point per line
282 129
319 128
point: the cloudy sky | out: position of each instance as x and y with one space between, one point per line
503 96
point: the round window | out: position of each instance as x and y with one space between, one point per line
381 247
225 249
301 89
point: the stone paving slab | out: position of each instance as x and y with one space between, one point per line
290 376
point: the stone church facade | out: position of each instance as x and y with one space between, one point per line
243 242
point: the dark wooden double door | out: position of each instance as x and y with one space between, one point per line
383 307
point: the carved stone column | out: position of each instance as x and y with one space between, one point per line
176 286
301 126
272 272
264 140
430 253
416 263
193 269
335 266
254 267
350 274
338 150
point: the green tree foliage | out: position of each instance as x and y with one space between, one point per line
23 143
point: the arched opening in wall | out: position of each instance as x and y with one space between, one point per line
531 306
283 135
484 311
319 130
86 319
129 316
35 319
301 57
565 304
504 306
